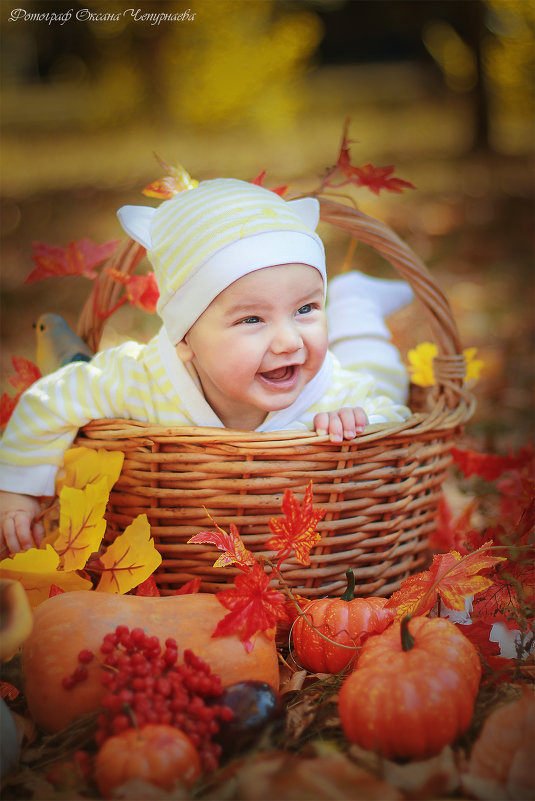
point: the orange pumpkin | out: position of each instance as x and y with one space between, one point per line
72 622
413 689
159 755
328 636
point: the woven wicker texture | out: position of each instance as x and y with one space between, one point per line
380 491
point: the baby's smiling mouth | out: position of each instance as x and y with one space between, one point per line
281 376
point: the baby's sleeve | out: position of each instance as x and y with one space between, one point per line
49 414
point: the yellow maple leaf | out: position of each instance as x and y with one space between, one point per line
473 365
37 570
81 523
82 466
421 364
130 559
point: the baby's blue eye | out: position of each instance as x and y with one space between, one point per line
306 309
252 319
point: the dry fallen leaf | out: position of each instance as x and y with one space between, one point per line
501 761
282 775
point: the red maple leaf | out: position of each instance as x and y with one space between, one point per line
78 258
478 633
190 587
259 181
148 588
451 534
254 606
26 374
297 531
489 466
234 551
375 178
140 290
54 590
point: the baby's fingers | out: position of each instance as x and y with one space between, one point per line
16 530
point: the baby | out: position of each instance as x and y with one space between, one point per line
244 343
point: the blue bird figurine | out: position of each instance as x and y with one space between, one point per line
57 344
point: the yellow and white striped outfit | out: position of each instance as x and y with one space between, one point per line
151 384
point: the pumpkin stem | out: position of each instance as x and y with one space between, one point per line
349 593
407 640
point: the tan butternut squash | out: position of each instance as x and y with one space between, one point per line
71 622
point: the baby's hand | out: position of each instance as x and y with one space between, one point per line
346 423
18 532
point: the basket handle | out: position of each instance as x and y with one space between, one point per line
450 364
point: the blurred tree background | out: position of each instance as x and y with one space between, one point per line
442 89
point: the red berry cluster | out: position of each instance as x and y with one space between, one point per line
145 685
80 671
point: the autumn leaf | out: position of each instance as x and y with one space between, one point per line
452 533
37 570
83 466
489 466
421 364
78 258
176 180
7 407
148 588
254 606
297 530
452 577
478 633
473 366
130 559
234 551
190 587
259 181
81 523
26 374
375 178
140 290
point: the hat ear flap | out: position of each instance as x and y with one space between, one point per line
137 222
308 209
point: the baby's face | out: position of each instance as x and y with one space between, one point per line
259 343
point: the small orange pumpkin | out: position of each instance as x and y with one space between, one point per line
412 691
344 622
159 755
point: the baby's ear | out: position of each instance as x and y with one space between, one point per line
137 222
184 351
308 208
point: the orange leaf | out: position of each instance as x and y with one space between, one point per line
297 530
130 559
234 550
254 606
78 258
458 576
26 373
452 576
176 180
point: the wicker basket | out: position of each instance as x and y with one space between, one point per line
380 491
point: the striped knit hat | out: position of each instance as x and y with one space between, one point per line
203 239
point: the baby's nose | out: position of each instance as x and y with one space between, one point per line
286 339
